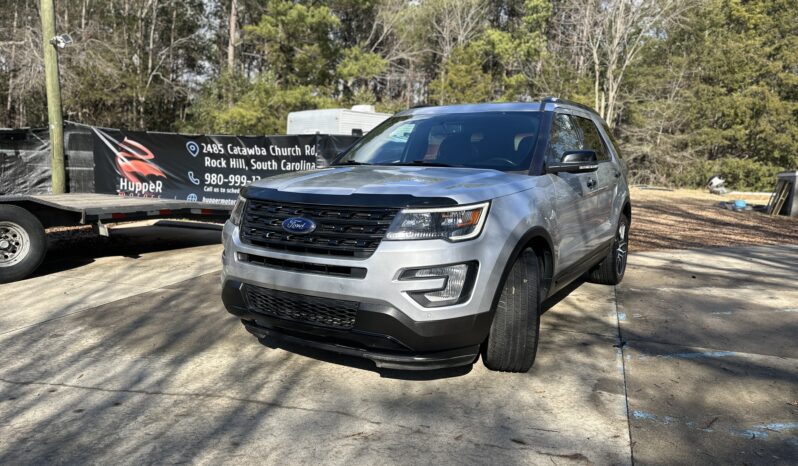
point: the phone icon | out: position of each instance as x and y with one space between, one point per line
193 179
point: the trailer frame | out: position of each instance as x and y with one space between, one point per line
33 213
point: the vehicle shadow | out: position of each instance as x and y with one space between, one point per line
365 364
557 297
75 248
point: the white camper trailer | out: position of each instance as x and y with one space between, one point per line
339 121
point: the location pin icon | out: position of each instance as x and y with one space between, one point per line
192 148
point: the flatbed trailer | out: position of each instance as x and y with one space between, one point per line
24 218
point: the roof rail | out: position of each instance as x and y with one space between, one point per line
557 100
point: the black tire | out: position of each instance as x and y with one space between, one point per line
513 338
611 270
22 243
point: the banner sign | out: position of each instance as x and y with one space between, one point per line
209 169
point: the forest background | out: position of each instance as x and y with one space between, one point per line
691 88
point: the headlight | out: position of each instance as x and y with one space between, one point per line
238 211
449 223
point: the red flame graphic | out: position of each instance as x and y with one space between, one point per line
134 162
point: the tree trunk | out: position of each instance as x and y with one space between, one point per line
66 17
409 89
150 51
596 82
172 67
151 44
12 64
231 41
83 9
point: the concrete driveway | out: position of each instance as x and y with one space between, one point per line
132 359
711 355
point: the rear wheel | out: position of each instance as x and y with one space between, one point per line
611 270
22 243
513 338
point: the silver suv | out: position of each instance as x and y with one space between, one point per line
436 237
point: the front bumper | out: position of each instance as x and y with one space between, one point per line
380 333
381 284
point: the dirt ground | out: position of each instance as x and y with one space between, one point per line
687 219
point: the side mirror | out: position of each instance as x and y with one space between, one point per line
575 161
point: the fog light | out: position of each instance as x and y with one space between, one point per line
458 281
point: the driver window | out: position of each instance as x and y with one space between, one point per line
565 136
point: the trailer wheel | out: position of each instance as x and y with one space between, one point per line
22 243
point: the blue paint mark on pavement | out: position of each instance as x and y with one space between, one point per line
665 420
690 355
644 415
756 432
705 354
778 426
750 433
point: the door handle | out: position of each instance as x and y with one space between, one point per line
591 183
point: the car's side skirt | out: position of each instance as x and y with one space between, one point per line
568 275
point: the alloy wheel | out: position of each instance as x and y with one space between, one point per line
621 249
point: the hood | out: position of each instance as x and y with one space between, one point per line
463 185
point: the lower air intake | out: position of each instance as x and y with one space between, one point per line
324 312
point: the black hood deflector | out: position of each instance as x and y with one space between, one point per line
351 200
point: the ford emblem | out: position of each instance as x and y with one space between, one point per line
299 225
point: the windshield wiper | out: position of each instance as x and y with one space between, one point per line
421 162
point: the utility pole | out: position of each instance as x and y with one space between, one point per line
53 87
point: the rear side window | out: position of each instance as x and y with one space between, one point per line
591 137
565 136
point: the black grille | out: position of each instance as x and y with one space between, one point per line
309 267
325 312
340 231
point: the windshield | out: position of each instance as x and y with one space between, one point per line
498 140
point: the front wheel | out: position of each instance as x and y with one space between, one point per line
23 243
611 270
513 338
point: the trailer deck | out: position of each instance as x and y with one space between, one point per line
109 208
92 207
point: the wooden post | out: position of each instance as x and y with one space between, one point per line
53 88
